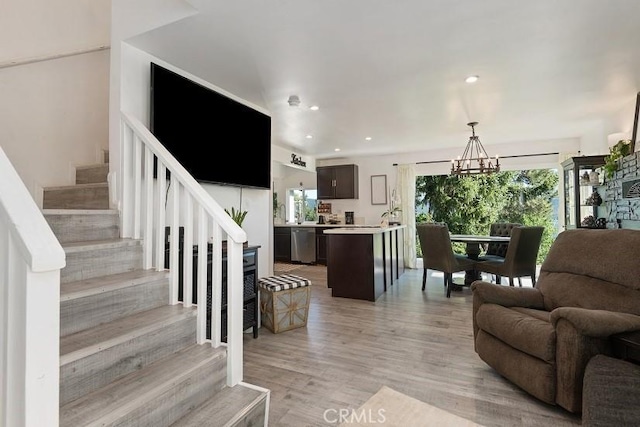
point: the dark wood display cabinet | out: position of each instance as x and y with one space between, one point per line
578 189
250 285
337 182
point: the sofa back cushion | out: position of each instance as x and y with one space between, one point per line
593 268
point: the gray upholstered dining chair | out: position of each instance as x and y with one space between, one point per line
437 253
499 250
521 256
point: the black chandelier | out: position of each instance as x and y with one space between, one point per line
474 160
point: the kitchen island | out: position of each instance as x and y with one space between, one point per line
363 262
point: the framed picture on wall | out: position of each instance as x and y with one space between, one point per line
378 189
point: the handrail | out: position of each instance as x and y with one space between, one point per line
30 262
234 232
37 244
147 210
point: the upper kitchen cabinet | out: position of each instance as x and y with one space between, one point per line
337 182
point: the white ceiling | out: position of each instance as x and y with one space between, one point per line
395 70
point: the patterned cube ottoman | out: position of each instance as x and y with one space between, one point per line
284 302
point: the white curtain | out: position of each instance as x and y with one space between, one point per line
406 186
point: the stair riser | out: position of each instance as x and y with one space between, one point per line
83 313
101 262
92 174
83 228
181 398
76 198
85 375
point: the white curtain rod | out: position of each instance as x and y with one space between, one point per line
502 157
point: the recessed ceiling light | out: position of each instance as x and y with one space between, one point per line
314 108
309 136
336 149
368 138
471 79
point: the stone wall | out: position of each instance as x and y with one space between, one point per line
623 212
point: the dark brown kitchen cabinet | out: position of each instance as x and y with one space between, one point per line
321 246
337 182
282 244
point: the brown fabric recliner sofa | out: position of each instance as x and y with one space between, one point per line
542 338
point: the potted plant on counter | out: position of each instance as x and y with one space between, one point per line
390 216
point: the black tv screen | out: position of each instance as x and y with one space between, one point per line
217 139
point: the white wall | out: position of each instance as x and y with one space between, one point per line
31 29
53 103
53 117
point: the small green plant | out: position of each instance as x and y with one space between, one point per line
276 205
621 149
391 212
237 215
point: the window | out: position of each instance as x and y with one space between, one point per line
302 204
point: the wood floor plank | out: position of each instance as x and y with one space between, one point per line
418 343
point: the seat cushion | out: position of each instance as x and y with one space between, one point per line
283 282
533 375
524 329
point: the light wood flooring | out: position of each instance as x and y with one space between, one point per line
418 343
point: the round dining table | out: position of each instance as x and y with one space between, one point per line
473 250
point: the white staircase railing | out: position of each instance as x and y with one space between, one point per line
30 262
147 206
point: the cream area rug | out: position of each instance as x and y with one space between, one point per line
390 408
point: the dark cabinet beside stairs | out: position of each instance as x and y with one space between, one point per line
250 284
337 182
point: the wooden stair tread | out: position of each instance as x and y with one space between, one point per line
229 406
91 166
107 404
98 285
72 247
92 340
77 186
80 212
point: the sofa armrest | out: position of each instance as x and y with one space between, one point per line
596 323
507 296
581 334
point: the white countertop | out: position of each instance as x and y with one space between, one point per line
315 225
363 229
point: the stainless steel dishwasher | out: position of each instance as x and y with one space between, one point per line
303 244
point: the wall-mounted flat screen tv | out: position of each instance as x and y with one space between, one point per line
217 139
